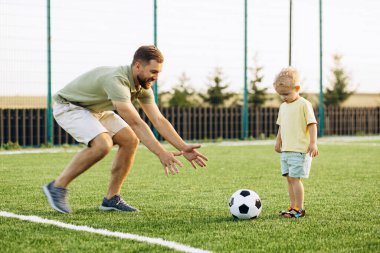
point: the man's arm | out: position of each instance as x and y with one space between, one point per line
165 128
128 112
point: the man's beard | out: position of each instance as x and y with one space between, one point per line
144 83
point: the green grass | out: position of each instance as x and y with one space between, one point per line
341 198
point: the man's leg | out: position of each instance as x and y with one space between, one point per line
123 161
98 148
56 191
122 164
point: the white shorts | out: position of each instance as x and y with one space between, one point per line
84 125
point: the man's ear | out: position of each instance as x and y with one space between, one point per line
138 64
298 87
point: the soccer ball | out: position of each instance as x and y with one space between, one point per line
245 204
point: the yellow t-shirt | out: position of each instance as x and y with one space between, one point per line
96 89
293 119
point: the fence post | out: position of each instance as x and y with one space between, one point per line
321 102
49 121
1 128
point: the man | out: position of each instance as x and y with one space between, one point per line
84 109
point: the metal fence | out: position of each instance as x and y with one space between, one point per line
46 44
352 121
27 127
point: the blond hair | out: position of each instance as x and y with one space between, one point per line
287 79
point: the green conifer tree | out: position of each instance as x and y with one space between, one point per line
338 91
216 96
257 96
182 93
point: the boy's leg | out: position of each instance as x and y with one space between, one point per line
285 172
296 171
292 196
295 186
298 191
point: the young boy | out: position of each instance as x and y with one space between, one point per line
296 138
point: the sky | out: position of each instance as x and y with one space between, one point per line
195 36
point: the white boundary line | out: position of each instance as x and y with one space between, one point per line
152 240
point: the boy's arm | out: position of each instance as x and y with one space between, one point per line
278 145
313 149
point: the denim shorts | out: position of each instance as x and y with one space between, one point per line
292 164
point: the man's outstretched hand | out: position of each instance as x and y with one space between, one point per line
169 162
193 156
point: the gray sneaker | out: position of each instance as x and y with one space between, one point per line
57 197
116 203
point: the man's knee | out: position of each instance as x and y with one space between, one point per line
127 138
133 141
102 144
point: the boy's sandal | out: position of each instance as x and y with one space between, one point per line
295 213
283 212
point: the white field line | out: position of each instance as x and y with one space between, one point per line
105 232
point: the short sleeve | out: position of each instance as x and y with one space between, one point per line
278 122
117 90
309 113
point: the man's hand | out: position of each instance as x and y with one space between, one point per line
169 162
193 156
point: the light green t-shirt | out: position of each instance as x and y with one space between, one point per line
96 89
293 119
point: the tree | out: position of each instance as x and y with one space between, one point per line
215 93
182 93
162 98
338 92
257 96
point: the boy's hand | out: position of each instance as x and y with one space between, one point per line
313 150
277 147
